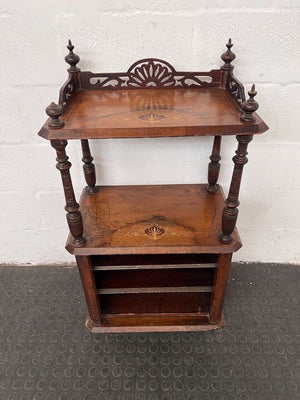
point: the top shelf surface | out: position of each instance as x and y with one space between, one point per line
152 99
158 112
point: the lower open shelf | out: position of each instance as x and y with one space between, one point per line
155 292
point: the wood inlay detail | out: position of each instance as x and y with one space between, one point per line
151 116
154 231
152 257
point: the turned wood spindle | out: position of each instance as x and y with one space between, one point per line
230 211
72 207
228 57
54 111
249 106
214 166
72 59
88 166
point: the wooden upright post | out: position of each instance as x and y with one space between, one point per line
230 211
214 166
72 207
89 286
88 166
220 283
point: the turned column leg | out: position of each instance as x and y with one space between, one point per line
72 207
214 166
88 166
230 211
220 283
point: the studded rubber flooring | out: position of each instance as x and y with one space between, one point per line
47 353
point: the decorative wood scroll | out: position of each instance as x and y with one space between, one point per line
235 88
66 91
150 73
72 83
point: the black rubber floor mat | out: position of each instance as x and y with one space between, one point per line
47 353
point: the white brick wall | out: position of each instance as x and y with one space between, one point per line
110 36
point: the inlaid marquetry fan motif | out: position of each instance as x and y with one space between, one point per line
154 231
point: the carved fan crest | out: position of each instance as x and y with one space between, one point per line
151 73
147 73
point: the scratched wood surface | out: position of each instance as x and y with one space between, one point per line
151 219
151 113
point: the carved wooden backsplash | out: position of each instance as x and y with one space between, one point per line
150 73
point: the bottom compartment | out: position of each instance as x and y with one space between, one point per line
168 292
150 288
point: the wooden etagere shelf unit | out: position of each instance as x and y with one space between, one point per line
153 257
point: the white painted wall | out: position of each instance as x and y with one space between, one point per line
110 36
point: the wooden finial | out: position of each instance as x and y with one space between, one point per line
71 58
54 111
228 56
249 106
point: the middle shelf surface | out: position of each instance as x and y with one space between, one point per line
152 219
